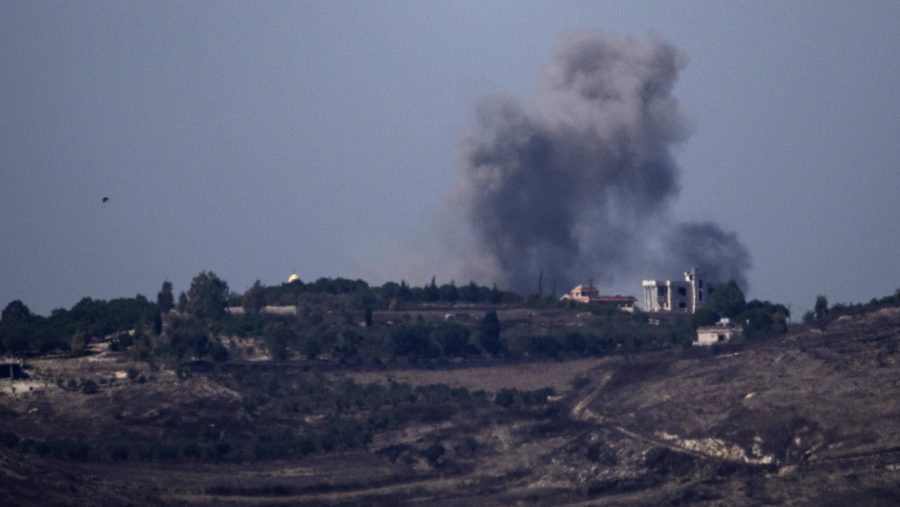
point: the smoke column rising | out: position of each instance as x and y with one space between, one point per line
579 180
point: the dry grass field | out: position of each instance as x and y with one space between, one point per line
522 375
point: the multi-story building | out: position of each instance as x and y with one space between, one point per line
676 296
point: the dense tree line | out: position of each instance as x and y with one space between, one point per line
21 331
822 313
758 318
335 320
195 332
360 295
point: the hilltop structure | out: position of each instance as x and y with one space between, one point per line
723 331
590 294
268 309
676 296
12 366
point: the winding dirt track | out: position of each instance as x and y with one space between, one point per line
581 411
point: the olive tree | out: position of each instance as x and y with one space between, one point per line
207 297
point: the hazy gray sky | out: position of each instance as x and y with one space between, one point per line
259 138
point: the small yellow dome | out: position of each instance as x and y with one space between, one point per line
293 278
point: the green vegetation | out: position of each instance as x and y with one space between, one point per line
207 297
727 300
513 398
351 322
89 387
358 295
821 308
254 299
23 332
822 314
758 318
165 299
489 333
349 415
78 342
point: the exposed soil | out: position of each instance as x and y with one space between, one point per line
525 375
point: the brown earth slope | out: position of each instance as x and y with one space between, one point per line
812 418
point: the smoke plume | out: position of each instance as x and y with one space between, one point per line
578 182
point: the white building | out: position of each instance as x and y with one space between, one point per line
723 332
676 296
269 309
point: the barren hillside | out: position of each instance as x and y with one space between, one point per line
810 418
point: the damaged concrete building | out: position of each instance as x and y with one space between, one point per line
590 294
676 296
723 331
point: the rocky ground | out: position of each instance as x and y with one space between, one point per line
812 418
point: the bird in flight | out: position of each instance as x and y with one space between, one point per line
105 199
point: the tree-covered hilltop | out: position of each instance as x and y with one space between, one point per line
22 331
349 321
342 292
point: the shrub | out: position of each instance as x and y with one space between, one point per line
453 339
705 316
434 454
78 342
489 333
166 451
543 346
580 382
8 440
219 353
89 387
189 338
125 340
192 450
413 341
574 342
506 397
537 397
119 452
276 336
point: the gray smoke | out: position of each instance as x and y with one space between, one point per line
718 253
578 182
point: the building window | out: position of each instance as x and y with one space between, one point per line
721 337
700 283
700 295
682 305
682 291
